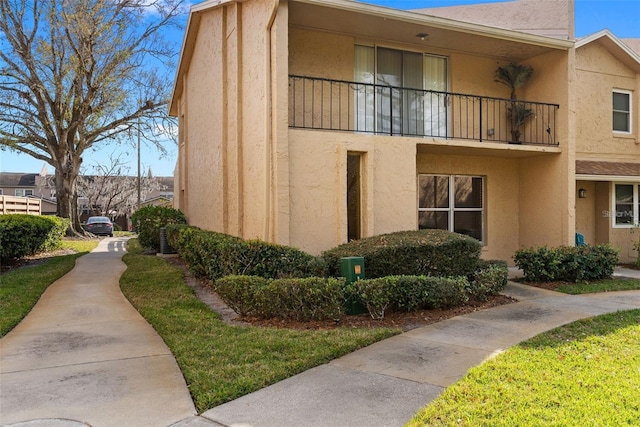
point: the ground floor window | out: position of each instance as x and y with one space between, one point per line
626 202
452 202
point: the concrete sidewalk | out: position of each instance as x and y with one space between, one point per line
386 383
85 354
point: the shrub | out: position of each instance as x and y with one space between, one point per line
22 235
423 252
208 254
311 298
409 293
375 294
240 292
218 255
567 263
489 280
149 219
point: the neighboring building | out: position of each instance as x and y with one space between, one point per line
30 185
608 141
326 121
42 186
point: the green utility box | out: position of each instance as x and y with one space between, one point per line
352 269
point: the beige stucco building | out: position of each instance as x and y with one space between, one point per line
313 122
608 141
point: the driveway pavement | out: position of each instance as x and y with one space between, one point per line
84 356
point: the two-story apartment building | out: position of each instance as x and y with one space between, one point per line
310 123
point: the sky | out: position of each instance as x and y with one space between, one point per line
621 17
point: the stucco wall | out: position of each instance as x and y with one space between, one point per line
225 101
544 202
319 54
318 186
598 73
203 148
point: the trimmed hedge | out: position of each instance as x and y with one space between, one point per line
409 293
148 220
240 292
489 279
424 252
216 255
567 263
312 298
23 235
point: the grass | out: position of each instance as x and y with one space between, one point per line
79 245
607 285
585 373
21 288
222 362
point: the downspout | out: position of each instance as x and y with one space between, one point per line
269 172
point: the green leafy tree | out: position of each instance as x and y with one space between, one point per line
76 74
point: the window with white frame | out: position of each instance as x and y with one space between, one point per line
626 203
452 202
622 111
23 192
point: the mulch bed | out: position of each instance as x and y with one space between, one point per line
404 321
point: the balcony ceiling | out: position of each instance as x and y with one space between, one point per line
383 24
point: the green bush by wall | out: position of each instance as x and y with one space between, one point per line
216 255
23 235
312 298
423 252
148 220
567 263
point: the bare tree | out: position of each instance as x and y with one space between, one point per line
109 191
78 73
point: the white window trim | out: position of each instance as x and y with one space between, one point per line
634 207
451 210
626 92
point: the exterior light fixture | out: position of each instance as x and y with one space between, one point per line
422 36
582 193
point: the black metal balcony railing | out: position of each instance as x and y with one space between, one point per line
317 103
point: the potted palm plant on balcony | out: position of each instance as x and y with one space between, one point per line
514 76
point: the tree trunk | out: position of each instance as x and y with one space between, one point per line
67 196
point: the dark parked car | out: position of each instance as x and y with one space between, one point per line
99 225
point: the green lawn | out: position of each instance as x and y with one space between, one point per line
221 362
20 289
607 285
585 373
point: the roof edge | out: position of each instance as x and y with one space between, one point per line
608 34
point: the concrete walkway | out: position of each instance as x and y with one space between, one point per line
386 383
84 356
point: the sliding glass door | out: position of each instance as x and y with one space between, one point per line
400 102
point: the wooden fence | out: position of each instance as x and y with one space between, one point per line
19 205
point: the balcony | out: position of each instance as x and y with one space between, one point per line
338 105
